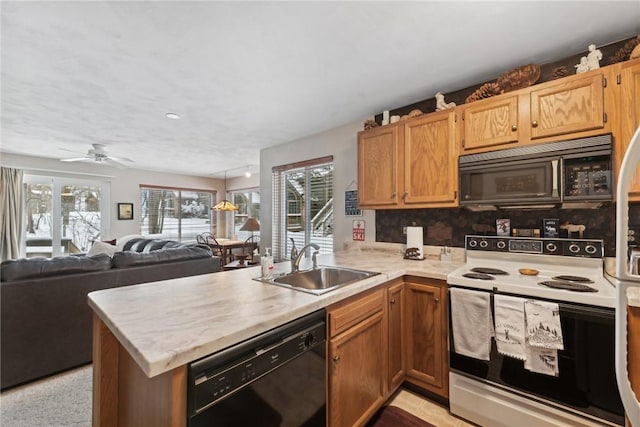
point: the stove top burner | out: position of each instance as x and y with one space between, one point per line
481 276
575 287
573 279
488 270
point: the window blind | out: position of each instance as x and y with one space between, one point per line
303 206
175 213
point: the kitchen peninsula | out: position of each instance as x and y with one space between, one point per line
145 335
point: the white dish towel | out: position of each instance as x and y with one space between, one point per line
471 323
544 336
510 326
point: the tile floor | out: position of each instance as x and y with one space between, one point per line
430 411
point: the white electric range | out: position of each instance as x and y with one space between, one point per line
501 391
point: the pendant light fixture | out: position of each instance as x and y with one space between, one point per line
225 205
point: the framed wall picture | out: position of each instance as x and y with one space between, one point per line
125 210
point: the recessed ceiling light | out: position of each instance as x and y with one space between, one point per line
173 116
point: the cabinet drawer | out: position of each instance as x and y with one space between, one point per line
347 315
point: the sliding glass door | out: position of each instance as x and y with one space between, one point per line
63 216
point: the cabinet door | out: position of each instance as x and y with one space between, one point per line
378 161
430 162
629 116
491 122
574 104
426 336
395 297
356 366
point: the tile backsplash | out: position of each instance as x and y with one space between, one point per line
449 226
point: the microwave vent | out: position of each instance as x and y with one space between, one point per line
570 147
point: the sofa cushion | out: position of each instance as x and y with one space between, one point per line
99 247
133 259
121 241
27 268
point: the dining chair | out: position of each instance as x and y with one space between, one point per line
210 240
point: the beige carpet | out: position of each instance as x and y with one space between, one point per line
58 401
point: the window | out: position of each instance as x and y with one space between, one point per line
248 203
303 206
81 205
176 213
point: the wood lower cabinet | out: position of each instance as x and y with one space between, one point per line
425 331
395 304
357 360
628 117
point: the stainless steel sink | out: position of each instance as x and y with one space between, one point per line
319 280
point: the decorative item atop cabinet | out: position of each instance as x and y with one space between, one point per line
625 52
519 78
487 90
412 114
370 124
441 104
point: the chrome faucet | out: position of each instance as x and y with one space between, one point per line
295 261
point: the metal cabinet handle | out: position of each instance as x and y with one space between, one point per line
336 359
437 300
514 128
393 194
534 124
404 195
393 301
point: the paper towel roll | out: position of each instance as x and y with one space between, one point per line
414 239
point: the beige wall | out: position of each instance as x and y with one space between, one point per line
341 143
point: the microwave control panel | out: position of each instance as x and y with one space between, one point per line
585 177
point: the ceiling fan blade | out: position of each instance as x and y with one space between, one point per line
76 159
71 151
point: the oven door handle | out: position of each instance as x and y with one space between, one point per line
554 179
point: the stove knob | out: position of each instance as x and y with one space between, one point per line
484 243
573 248
590 249
473 243
501 244
551 247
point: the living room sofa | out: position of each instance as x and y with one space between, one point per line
45 320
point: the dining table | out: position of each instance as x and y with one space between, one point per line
226 246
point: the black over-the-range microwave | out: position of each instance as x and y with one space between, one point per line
577 170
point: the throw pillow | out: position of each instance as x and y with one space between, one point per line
121 241
99 247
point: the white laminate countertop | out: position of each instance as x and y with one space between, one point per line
167 324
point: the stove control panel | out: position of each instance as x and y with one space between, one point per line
587 248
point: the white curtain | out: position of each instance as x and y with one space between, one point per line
10 213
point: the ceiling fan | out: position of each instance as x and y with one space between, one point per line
99 154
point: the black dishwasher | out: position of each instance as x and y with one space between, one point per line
277 378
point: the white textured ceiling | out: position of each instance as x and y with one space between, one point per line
248 75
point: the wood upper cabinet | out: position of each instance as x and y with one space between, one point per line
430 160
379 160
490 122
410 164
357 360
568 105
628 116
395 301
427 362
566 108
